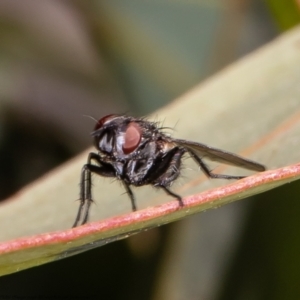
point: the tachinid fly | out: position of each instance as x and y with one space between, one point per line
137 152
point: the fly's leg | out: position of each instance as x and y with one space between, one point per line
171 173
206 170
85 196
169 192
131 195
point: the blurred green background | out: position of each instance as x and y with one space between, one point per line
62 62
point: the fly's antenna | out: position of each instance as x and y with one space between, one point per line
90 117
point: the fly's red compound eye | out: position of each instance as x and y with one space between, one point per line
104 120
133 135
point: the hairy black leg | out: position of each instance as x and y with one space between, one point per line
85 198
130 194
171 168
169 192
165 169
206 170
81 195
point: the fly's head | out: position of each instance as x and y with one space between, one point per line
120 137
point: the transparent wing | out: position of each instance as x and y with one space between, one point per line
218 155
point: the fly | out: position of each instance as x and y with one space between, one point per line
137 152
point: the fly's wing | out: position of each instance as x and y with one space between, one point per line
218 155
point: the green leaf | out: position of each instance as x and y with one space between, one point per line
28 252
258 117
